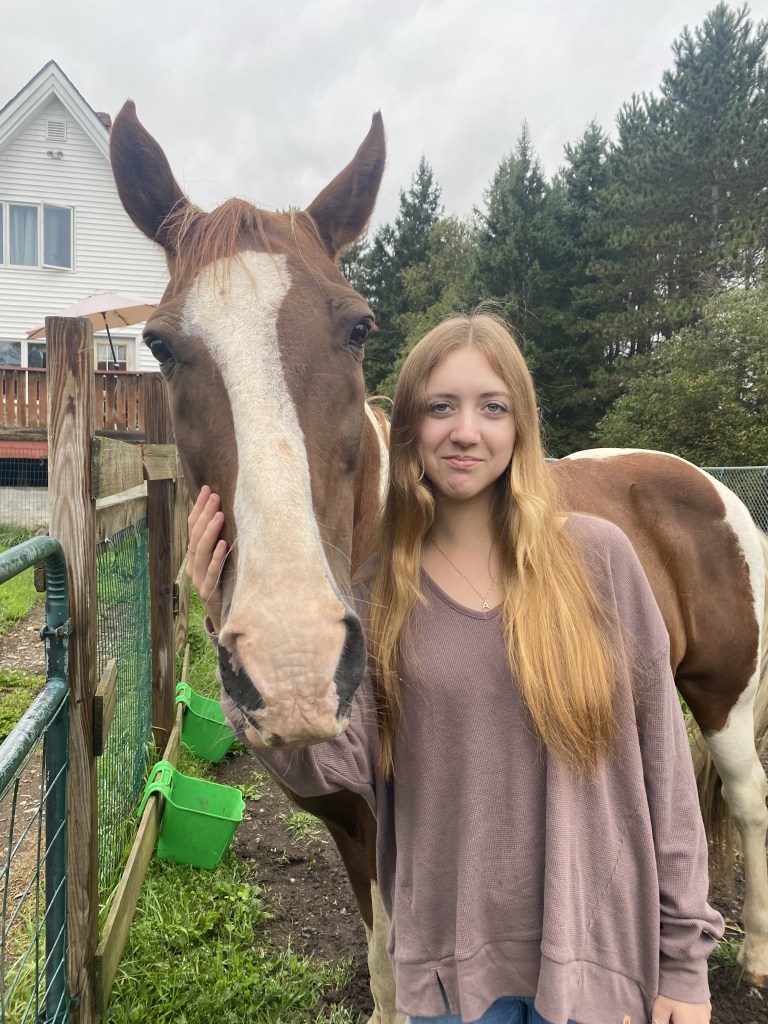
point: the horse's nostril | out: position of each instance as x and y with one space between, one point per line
351 665
238 684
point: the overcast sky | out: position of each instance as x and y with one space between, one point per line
268 99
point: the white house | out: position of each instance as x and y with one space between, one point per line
63 231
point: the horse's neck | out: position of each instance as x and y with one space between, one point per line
369 486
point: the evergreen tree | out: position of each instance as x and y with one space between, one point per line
395 248
533 251
687 210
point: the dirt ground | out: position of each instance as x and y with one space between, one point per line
307 889
305 885
22 648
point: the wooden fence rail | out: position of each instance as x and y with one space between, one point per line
118 403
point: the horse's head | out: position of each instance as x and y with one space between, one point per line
260 340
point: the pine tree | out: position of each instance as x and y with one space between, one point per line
533 252
687 210
395 248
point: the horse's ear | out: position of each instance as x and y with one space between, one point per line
344 207
146 185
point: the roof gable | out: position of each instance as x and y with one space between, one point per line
28 104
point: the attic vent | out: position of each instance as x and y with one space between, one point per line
56 131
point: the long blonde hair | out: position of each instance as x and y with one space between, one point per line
559 636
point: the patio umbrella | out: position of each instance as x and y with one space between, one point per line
105 310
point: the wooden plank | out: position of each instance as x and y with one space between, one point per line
117 511
160 461
115 466
109 415
115 933
23 434
181 592
161 576
98 401
130 403
72 522
140 401
121 405
104 701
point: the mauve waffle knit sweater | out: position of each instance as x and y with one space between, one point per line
502 875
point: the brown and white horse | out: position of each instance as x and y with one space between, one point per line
260 339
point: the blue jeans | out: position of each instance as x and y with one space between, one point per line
507 1010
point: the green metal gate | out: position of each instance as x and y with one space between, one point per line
34 759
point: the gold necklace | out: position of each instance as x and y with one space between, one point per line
458 570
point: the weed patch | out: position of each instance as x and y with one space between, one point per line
17 691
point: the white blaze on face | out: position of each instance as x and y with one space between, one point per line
285 625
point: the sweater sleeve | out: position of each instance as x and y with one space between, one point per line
346 762
689 926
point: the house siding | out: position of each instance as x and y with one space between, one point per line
109 252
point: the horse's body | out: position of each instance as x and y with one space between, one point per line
259 338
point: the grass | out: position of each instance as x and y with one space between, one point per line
18 595
303 825
196 954
17 691
197 951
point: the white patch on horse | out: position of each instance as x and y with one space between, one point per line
736 515
280 554
383 452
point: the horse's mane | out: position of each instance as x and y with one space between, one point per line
202 239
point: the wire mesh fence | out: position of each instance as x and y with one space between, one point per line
123 623
34 762
24 484
27 952
750 483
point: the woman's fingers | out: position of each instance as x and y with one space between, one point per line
202 499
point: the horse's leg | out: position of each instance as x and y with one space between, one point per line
744 786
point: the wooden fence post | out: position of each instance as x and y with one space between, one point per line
72 522
161 570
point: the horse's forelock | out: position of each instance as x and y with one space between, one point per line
222 235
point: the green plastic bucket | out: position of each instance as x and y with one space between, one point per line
200 817
205 730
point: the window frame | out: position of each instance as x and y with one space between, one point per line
39 204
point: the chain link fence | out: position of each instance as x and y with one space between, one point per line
23 484
750 483
123 623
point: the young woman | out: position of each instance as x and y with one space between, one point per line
518 736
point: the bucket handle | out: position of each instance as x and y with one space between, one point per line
184 693
160 781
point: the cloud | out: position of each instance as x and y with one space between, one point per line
269 100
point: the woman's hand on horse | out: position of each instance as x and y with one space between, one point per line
207 552
672 1011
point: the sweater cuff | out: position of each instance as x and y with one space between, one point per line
684 980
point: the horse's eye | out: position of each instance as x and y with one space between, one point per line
159 350
359 333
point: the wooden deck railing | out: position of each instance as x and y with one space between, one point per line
118 405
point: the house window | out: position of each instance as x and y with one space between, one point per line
36 354
57 237
10 353
105 360
23 235
22 230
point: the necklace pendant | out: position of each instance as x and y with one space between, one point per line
485 606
